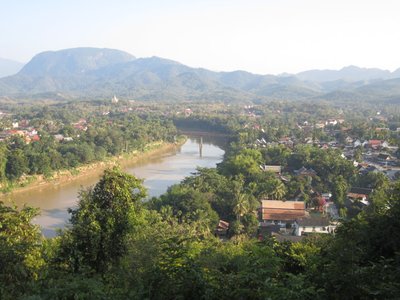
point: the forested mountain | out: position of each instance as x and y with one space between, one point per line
350 73
9 67
101 73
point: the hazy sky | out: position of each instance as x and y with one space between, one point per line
260 36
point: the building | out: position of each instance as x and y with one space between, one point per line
114 99
271 168
377 144
315 224
222 228
359 195
282 213
305 172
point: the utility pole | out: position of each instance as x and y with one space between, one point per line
201 146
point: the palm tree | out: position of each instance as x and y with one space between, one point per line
242 205
278 190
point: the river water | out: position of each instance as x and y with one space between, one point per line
159 172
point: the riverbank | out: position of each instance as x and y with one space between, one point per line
37 182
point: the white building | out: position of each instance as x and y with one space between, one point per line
313 225
114 99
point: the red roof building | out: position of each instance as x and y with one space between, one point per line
278 211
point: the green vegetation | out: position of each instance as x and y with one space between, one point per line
66 141
118 246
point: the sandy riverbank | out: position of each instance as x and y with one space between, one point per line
65 176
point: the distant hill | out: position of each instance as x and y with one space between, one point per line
92 72
100 73
71 62
9 67
350 73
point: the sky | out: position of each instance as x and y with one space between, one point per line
259 36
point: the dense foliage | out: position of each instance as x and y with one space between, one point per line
115 248
67 140
118 246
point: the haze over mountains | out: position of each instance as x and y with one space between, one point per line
87 73
9 67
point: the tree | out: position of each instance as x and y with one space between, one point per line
278 190
362 260
20 250
102 221
358 154
17 164
39 163
246 162
268 185
339 190
188 204
241 206
3 161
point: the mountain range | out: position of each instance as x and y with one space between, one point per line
9 67
88 73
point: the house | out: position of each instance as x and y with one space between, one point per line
349 140
377 144
58 137
357 143
31 131
281 238
271 168
359 195
281 212
380 129
324 146
188 112
374 144
364 168
80 125
286 141
12 132
331 122
384 157
333 144
310 141
355 197
303 171
35 138
314 224
222 228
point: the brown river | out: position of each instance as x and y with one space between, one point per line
159 172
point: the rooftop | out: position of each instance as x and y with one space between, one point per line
313 221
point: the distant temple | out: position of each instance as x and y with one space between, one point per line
114 99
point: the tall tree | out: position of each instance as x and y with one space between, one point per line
339 190
278 190
17 164
101 222
20 250
242 205
3 161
